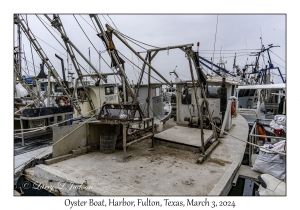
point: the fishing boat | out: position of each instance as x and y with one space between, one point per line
187 160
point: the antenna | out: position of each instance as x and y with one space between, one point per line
246 51
90 60
262 46
99 61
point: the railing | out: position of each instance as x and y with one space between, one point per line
254 137
227 121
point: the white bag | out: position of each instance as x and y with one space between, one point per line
269 163
279 122
21 91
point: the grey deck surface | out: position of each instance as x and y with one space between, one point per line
184 135
162 171
22 159
247 173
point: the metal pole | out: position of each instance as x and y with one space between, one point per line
113 55
67 40
63 70
43 56
152 120
141 78
112 30
124 87
91 65
49 89
124 141
199 114
20 43
171 47
149 86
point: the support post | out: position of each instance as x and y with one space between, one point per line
152 120
124 87
199 113
113 31
49 88
141 78
124 140
149 86
22 132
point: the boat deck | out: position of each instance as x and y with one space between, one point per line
148 171
184 136
21 160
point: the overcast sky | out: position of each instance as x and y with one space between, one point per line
219 35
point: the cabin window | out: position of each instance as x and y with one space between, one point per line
170 90
246 92
43 88
157 91
58 89
252 92
186 96
109 90
213 91
241 93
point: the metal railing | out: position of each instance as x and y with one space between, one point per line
254 137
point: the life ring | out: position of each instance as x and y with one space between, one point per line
261 132
232 108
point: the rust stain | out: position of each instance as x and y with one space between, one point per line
218 161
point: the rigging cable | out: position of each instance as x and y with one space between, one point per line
89 24
31 49
33 158
229 56
85 33
50 27
62 46
276 63
108 54
215 42
125 41
277 56
134 39
139 67
248 141
51 33
233 50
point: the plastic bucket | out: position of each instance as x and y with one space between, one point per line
108 143
71 119
159 127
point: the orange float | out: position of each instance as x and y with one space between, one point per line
232 108
261 132
64 100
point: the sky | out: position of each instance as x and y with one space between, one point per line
220 36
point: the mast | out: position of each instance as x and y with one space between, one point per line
44 57
20 49
57 24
